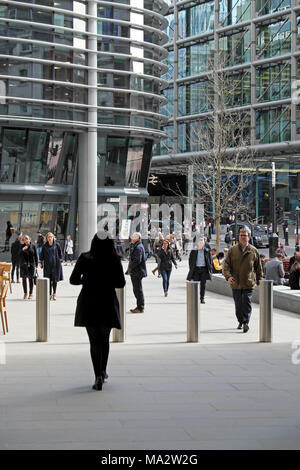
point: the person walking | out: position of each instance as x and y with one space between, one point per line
50 259
200 266
39 243
242 269
157 246
69 250
97 304
274 270
166 259
28 265
8 233
15 258
137 270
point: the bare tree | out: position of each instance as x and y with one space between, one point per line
219 142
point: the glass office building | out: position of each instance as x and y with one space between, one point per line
80 98
260 43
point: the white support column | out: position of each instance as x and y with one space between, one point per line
87 163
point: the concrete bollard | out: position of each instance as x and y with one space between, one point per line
266 311
192 306
119 335
42 310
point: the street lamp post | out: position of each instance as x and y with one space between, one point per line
273 239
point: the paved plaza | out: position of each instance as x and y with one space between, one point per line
227 392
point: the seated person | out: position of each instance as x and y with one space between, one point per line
294 258
281 250
294 275
217 263
275 271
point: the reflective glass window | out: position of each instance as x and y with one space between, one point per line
264 7
13 155
134 163
233 12
235 48
273 39
36 156
201 18
115 164
273 125
273 82
54 155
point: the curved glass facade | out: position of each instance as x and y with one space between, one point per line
71 66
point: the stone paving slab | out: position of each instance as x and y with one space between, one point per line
226 392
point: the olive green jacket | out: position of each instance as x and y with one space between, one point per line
244 266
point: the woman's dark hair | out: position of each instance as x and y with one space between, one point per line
220 255
104 247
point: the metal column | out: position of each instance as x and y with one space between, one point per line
266 311
87 150
42 310
119 335
192 305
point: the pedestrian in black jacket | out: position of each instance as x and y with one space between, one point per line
15 258
166 259
200 264
137 270
51 258
28 265
100 272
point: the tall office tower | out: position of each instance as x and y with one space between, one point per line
80 96
259 41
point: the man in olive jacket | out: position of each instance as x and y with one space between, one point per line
242 269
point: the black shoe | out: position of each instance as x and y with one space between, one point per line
240 326
98 383
245 327
104 375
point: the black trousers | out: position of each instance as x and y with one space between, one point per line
138 292
200 274
99 347
242 300
53 284
15 267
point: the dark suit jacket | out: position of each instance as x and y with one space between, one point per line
193 261
137 261
28 261
97 303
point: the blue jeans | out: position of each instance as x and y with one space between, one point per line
166 279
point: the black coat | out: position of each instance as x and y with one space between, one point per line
28 261
137 261
97 303
15 251
57 257
193 261
166 260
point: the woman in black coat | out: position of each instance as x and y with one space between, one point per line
51 257
28 265
166 259
100 272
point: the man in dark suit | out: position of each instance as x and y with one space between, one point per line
200 264
137 270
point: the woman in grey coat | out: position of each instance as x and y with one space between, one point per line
100 272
